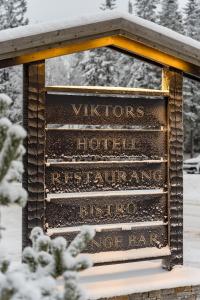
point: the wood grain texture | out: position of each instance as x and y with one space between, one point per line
31 44
175 177
34 123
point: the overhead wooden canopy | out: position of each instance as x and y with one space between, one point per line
123 32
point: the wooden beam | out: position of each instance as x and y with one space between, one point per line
155 55
173 80
64 48
32 39
118 41
34 161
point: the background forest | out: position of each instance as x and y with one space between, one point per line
106 67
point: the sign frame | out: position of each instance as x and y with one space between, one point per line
34 177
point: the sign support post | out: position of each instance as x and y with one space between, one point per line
172 80
34 160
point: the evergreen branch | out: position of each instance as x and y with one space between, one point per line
15 136
12 193
4 126
81 240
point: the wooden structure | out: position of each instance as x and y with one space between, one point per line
128 185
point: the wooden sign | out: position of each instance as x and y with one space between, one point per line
96 110
95 176
111 239
105 144
111 161
105 208
107 166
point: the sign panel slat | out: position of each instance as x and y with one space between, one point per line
101 144
106 110
106 209
75 177
117 240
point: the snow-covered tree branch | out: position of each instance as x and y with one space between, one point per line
11 151
43 264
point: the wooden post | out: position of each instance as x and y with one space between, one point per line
34 160
172 81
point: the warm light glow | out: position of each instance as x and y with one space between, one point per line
108 90
154 55
117 41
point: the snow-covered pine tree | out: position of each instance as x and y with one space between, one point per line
3 15
170 16
46 260
144 74
108 4
125 62
15 13
76 76
192 88
12 14
57 71
11 151
5 84
99 66
42 264
130 7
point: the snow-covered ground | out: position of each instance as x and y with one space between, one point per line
192 220
11 219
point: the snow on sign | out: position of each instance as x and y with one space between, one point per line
107 165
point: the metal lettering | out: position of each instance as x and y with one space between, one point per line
82 144
94 144
131 240
117 210
95 243
98 178
131 208
94 111
110 177
142 240
157 175
129 112
118 241
118 111
146 175
76 110
122 176
55 178
86 110
120 209
140 111
108 242
116 144
104 144
135 176
153 239
83 212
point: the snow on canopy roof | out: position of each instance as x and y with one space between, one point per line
45 36
42 28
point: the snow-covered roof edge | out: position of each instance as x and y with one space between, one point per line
47 27
24 39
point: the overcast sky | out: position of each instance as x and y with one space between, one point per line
52 10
